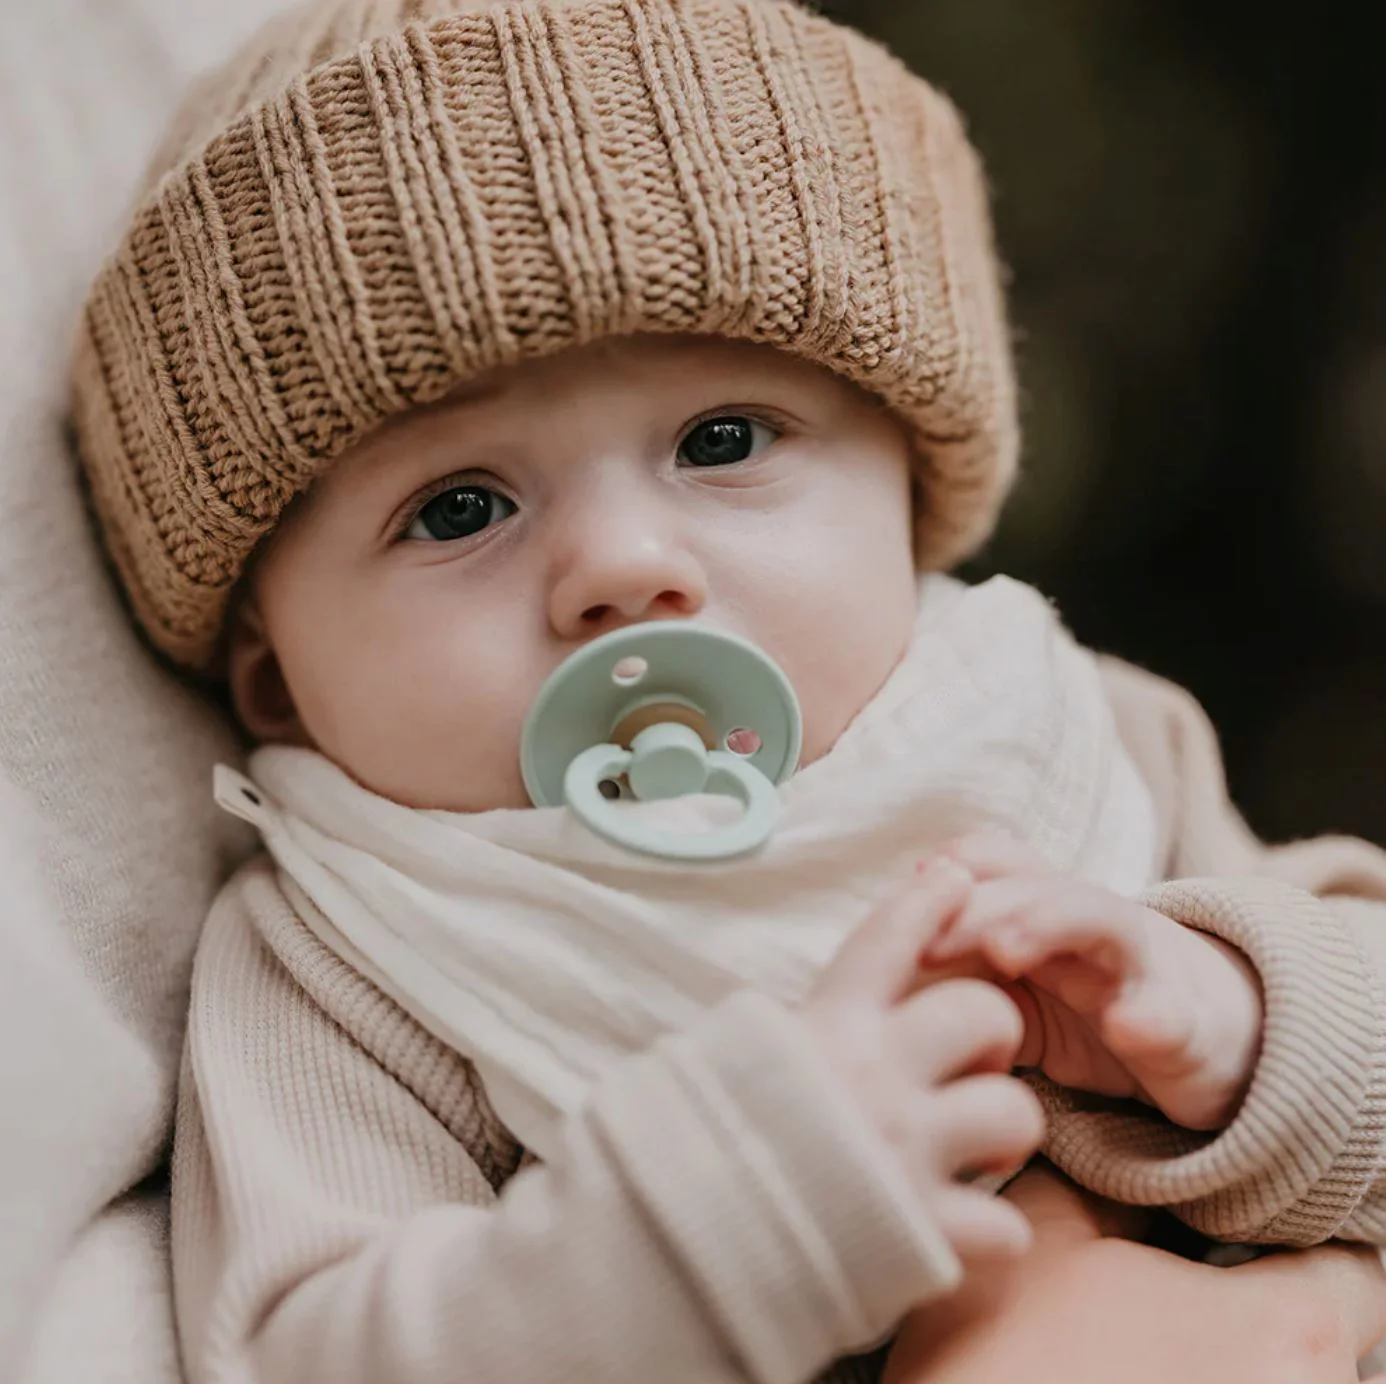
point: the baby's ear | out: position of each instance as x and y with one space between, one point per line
259 691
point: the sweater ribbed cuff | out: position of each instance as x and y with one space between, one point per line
1305 1146
803 1238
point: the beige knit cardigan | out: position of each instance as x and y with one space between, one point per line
347 1207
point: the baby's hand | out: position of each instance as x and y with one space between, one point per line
928 1067
1117 999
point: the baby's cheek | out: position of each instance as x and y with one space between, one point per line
833 693
424 718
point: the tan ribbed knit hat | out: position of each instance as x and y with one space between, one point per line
381 198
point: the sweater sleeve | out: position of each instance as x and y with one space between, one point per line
1304 1159
716 1213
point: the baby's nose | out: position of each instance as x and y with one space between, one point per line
619 578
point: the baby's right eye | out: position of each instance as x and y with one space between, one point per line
461 511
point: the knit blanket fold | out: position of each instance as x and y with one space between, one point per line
544 954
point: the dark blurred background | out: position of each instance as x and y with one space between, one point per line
1192 201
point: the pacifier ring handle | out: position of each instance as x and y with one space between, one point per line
727 775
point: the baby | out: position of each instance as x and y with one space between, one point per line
454 336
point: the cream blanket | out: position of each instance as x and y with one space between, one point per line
104 758
544 954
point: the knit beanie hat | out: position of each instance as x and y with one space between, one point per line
379 199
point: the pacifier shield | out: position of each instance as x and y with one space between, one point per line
718 682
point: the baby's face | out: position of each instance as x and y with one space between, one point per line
407 611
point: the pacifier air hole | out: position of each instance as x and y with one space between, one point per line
743 742
610 789
629 671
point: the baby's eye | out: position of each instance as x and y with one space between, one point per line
461 512
724 441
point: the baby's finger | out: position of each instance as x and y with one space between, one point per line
986 1124
963 933
981 1226
1017 924
881 957
995 854
957 1028
993 905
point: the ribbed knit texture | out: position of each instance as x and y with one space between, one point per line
380 199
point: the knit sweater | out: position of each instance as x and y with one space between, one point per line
347 1206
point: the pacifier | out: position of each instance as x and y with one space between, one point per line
659 711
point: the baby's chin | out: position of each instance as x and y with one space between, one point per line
823 731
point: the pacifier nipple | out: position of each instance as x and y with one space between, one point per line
661 713
667 709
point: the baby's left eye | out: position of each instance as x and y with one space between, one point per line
725 441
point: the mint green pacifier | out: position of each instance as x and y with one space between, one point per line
659 711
